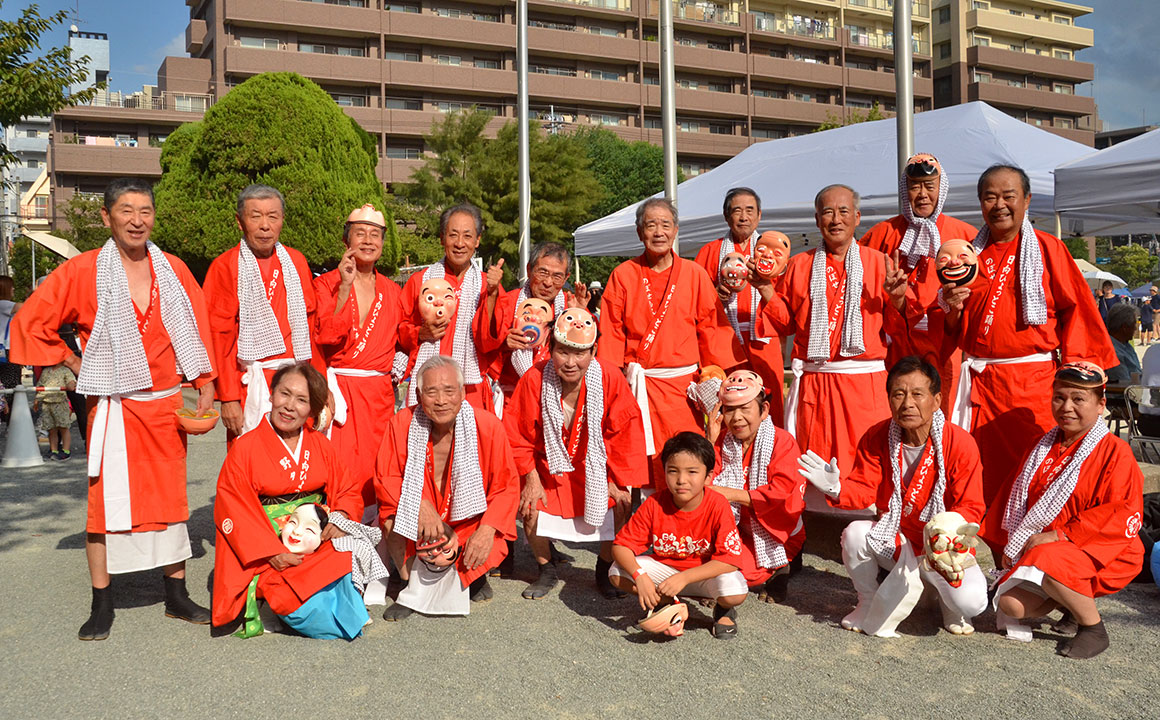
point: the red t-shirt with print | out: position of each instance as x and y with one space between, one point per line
680 539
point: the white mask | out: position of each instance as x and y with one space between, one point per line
947 542
302 533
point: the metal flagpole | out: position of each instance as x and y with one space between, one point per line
903 82
668 103
525 178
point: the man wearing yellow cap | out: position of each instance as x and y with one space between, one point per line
917 233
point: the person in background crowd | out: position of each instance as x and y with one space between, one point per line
1106 299
1122 328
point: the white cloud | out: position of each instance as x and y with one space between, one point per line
176 46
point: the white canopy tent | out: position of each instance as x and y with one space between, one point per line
788 172
1115 191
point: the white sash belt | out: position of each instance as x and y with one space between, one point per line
961 413
340 407
258 391
835 367
108 451
636 376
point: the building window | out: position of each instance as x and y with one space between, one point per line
720 128
448 107
981 41
1065 123
1062 19
597 74
403 55
33 163
487 64
688 84
34 133
652 80
981 5
404 153
448 59
688 126
720 87
265 43
608 119
652 123
40 206
344 3
1064 89
403 104
552 70
1062 54
190 103
401 7
944 50
349 100
767 134
944 14
332 49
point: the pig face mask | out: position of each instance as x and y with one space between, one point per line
532 318
734 272
302 533
948 540
771 254
575 328
956 263
437 301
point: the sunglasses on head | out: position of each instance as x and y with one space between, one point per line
921 169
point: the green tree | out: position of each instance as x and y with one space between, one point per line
1133 263
278 129
853 117
20 261
1078 247
628 172
83 225
32 85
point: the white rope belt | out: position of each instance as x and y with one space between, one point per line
835 367
637 378
961 412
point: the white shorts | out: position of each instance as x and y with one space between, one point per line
724 585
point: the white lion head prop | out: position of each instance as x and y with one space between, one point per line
949 542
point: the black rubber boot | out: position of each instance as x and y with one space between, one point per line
101 618
1089 641
543 584
179 605
603 584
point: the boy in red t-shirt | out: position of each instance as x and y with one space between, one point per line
695 545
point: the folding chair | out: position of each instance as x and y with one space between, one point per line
1134 396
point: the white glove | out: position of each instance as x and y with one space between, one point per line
822 475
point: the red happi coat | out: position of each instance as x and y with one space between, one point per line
494 335
1101 552
1010 404
834 411
371 346
258 464
871 482
885 237
221 294
764 358
479 394
777 505
501 486
693 331
156 446
622 431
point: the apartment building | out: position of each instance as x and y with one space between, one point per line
22 207
1019 56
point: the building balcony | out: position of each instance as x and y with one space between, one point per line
449 78
782 110
245 61
545 41
885 83
994 21
1085 137
195 33
702 144
319 17
67 159
595 7
701 101
24 174
804 33
392 170
705 60
919 11
581 90
1030 63
795 71
24 144
446 31
1025 98
710 13
417 123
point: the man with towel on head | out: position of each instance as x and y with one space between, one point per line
578 443
447 491
142 320
661 320
455 334
1028 301
261 304
839 301
917 234
742 212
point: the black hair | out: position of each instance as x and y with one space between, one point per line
734 192
120 186
1000 167
323 518
912 364
594 300
693 444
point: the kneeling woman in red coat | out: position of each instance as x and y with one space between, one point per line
1066 527
268 473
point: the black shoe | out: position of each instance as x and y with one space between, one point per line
559 556
603 584
179 605
795 565
1066 625
480 590
723 631
101 618
544 584
507 566
397 612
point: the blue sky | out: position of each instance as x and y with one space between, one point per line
1126 53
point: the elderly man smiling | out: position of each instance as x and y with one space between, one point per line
447 491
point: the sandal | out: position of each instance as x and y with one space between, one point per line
721 631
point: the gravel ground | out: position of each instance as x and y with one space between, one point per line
572 654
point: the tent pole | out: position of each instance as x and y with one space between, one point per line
668 104
1058 226
903 82
524 159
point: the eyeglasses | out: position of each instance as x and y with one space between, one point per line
545 274
921 169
